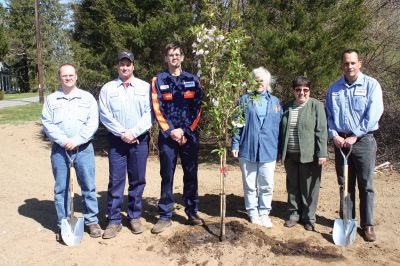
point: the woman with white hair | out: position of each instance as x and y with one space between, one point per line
256 144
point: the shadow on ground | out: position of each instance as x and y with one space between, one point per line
42 211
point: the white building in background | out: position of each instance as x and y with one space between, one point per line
5 79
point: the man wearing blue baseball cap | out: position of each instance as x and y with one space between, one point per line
125 111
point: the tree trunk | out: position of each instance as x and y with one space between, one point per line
222 194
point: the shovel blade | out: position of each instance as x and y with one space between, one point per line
344 234
72 230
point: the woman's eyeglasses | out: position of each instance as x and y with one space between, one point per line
305 90
174 55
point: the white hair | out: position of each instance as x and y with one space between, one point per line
264 73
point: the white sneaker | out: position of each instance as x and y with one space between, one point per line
255 219
266 221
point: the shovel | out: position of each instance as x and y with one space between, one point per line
344 230
72 227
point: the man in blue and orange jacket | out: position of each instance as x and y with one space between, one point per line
176 101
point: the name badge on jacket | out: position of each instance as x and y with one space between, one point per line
189 84
140 91
164 87
360 92
114 94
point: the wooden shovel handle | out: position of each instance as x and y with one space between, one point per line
72 176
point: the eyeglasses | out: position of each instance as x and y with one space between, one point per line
305 90
67 76
173 55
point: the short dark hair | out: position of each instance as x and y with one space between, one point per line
349 51
65 64
301 81
172 46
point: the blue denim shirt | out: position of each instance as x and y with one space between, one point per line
354 109
126 108
74 116
257 141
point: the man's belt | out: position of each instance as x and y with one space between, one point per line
346 135
82 146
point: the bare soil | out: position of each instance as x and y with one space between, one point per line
28 219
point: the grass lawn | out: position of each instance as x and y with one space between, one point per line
21 114
12 96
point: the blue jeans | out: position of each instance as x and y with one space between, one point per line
258 186
85 171
361 171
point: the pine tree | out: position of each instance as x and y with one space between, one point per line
55 41
3 39
303 37
104 27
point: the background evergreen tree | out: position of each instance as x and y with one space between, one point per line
21 31
20 21
3 38
104 27
303 37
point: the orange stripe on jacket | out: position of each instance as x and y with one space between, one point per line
196 121
156 107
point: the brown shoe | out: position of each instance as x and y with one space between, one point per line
369 234
136 226
160 226
94 230
309 227
290 223
112 231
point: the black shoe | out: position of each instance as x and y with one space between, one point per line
290 223
58 236
195 220
309 227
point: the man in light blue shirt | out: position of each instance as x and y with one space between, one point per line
125 112
70 119
354 106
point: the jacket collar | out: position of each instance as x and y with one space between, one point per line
359 80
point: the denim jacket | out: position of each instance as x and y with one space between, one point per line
256 141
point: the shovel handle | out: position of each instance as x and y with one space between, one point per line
72 176
346 155
345 194
346 168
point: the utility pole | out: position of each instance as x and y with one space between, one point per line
39 53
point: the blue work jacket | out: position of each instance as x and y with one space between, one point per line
256 141
176 102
